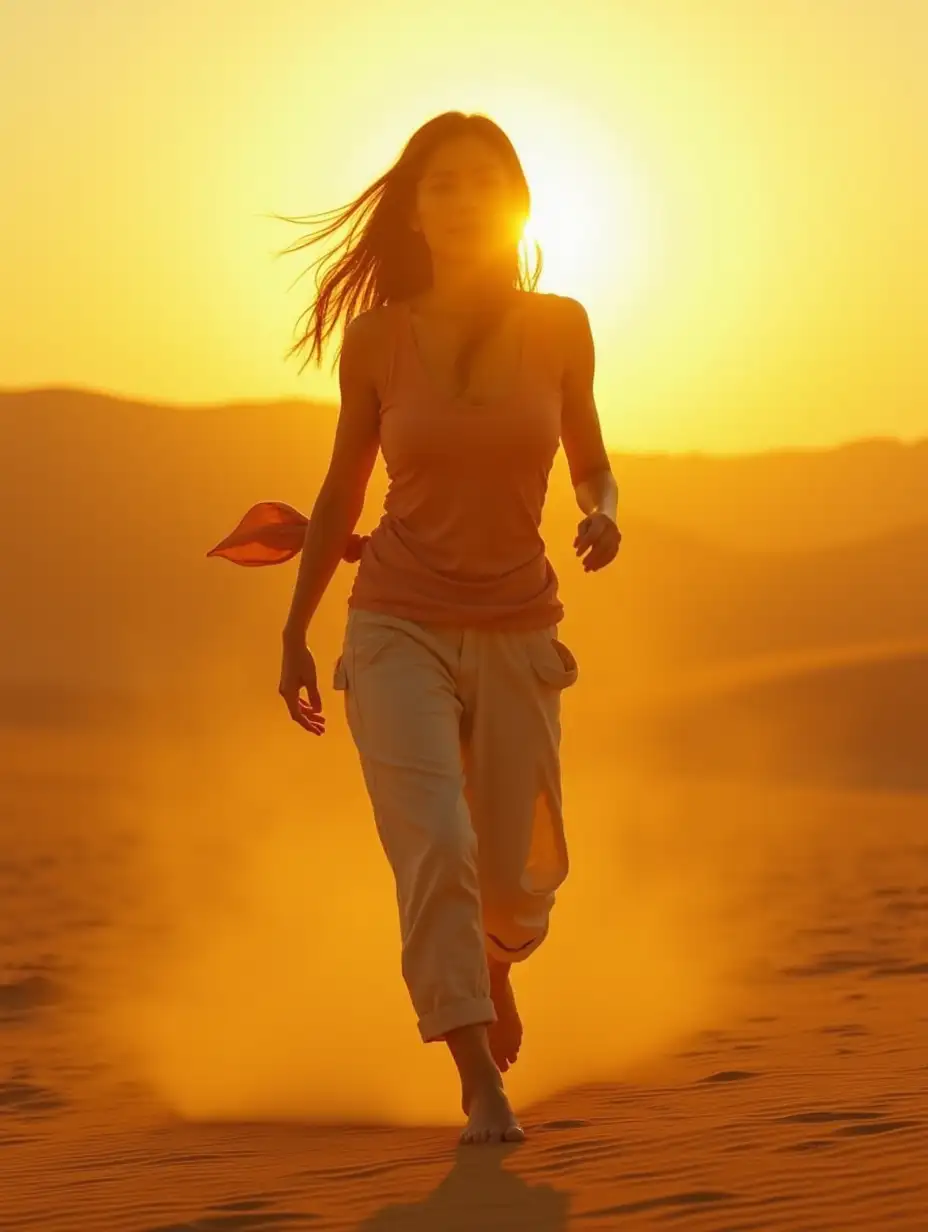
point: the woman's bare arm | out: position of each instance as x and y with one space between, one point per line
341 497
581 433
597 493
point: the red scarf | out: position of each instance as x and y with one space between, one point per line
272 532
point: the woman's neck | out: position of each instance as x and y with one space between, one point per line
462 290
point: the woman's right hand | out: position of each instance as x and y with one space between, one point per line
298 671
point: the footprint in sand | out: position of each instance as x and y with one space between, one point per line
875 1127
699 1197
729 1075
25 1099
851 1124
19 997
242 1215
564 1124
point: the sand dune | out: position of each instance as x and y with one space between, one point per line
856 720
202 1023
793 1098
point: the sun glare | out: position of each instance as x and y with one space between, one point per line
589 215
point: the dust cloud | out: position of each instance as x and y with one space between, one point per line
257 972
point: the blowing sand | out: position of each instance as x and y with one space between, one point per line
202 1024
202 1020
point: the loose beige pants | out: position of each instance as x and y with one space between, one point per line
458 732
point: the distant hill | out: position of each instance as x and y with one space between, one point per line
780 500
785 499
704 605
853 722
107 508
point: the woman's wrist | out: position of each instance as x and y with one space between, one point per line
294 633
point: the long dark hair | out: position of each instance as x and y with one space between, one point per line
381 259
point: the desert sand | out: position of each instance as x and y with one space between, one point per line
202 1022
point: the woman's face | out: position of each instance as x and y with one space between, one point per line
464 204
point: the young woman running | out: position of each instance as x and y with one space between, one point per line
467 379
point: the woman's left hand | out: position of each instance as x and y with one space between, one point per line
597 541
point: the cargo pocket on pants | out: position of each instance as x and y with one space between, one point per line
363 643
340 675
552 661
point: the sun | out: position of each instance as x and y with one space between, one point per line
590 210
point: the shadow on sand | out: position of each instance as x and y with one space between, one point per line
478 1192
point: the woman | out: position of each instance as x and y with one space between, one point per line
468 379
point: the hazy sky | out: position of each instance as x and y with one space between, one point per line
737 189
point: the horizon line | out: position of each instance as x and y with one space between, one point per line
332 405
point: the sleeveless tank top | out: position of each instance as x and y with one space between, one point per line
459 541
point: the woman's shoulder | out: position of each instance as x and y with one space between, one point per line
368 337
554 307
559 314
371 324
369 345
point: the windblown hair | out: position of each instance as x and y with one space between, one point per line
381 259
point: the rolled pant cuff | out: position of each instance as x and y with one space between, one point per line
468 1013
503 953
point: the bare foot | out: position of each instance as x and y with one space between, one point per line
504 1035
489 1115
490 1119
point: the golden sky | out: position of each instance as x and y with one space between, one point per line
736 189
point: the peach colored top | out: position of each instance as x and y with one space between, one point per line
459 540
